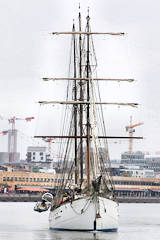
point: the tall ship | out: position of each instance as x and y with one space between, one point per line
84 198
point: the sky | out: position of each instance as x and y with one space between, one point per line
29 52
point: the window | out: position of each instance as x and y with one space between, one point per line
12 179
34 153
37 179
33 158
26 179
4 179
41 179
7 178
15 178
41 153
34 179
20 179
30 179
41 158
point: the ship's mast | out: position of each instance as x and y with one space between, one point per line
75 106
81 99
88 105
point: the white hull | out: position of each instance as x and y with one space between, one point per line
80 215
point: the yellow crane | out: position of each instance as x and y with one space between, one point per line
131 130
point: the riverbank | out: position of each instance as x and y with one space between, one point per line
37 197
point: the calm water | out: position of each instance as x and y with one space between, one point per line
18 221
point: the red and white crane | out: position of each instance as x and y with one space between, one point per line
12 121
4 132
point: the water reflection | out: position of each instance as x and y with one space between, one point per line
68 235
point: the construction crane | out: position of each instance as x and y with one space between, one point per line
12 121
131 130
4 132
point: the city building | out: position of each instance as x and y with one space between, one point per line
138 173
37 154
139 159
102 156
134 158
12 140
12 155
4 157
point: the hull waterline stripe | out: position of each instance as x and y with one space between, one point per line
86 230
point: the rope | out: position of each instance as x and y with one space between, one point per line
83 210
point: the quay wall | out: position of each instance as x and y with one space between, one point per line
37 197
20 197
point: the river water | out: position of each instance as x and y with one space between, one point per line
18 221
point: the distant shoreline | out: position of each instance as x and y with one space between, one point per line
35 198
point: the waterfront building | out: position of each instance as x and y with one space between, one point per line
29 182
18 180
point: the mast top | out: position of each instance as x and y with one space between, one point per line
88 13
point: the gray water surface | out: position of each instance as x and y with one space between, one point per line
18 221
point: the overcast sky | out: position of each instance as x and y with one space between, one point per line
28 52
